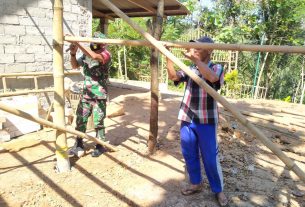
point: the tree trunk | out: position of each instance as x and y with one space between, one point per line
153 130
63 163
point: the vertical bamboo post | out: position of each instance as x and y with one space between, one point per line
120 65
154 94
4 84
36 82
63 164
125 63
291 165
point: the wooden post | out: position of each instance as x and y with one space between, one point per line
154 80
63 163
267 142
104 25
59 127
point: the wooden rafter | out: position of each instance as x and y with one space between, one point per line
169 9
97 13
144 5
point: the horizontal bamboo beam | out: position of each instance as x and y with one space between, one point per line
18 93
41 121
216 46
36 74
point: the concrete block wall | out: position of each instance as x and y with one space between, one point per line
26 33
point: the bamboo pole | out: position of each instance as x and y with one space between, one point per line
62 128
288 162
154 94
36 74
63 163
25 92
36 83
215 46
4 84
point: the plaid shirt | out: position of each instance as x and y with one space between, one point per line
197 105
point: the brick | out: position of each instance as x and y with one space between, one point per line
9 19
6 58
73 2
69 16
33 30
48 49
75 9
27 21
15 68
33 40
43 57
33 67
45 4
1 30
7 39
48 30
24 58
39 49
2 68
12 49
44 22
28 3
14 30
36 12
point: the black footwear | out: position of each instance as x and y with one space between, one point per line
99 149
77 149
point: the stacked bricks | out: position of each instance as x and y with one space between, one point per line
26 32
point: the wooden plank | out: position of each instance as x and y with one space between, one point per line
97 13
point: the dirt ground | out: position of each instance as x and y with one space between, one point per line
253 176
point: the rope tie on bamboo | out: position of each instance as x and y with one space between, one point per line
62 152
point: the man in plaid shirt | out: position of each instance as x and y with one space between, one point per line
199 118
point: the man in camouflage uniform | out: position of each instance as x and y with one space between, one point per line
95 62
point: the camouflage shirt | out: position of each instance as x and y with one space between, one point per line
95 77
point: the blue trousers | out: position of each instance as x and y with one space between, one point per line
201 139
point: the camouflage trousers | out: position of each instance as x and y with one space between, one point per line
84 110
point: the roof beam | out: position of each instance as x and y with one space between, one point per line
97 13
144 5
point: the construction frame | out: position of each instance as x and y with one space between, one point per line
63 163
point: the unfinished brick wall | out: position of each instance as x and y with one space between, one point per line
26 34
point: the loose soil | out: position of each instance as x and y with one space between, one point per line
253 175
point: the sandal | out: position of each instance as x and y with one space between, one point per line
222 201
191 191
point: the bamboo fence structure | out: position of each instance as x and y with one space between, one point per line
24 92
215 46
285 159
59 127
